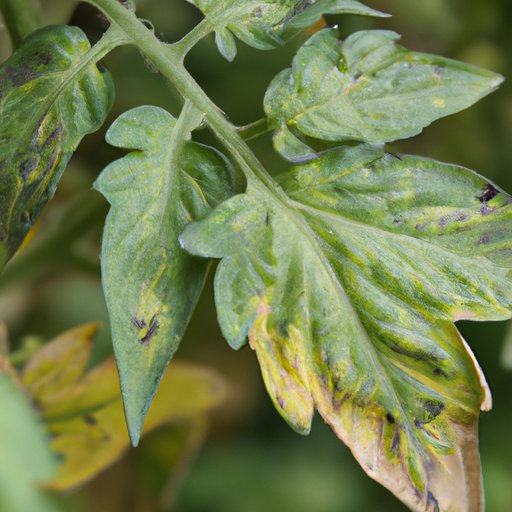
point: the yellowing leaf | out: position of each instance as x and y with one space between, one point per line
346 282
83 410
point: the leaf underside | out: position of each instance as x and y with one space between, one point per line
151 284
347 283
366 88
51 96
268 24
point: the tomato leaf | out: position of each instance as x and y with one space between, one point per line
51 96
267 24
151 285
368 88
347 282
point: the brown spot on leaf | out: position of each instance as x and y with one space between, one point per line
139 323
485 210
432 503
488 193
484 239
90 420
438 372
395 443
153 327
433 408
27 167
442 222
390 418
20 75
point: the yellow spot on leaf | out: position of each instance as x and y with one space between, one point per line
439 102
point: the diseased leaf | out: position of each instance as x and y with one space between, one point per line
267 24
26 457
151 285
368 88
51 96
347 282
83 410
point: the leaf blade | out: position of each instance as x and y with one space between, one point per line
268 24
155 191
367 88
342 325
51 96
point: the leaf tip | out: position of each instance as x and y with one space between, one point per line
137 397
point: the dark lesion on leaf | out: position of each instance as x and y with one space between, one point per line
267 219
153 327
438 372
433 408
395 442
20 74
27 167
432 503
390 418
139 323
90 420
487 194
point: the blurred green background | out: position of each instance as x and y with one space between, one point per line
252 461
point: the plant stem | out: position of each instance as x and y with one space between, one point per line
21 18
253 130
189 40
168 59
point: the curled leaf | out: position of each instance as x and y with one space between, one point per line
52 94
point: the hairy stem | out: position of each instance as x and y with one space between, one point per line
21 18
168 59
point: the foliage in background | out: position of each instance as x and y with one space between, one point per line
312 143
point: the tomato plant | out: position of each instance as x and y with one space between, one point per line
345 273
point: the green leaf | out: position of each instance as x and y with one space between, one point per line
267 24
369 89
151 285
51 96
347 282
26 457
